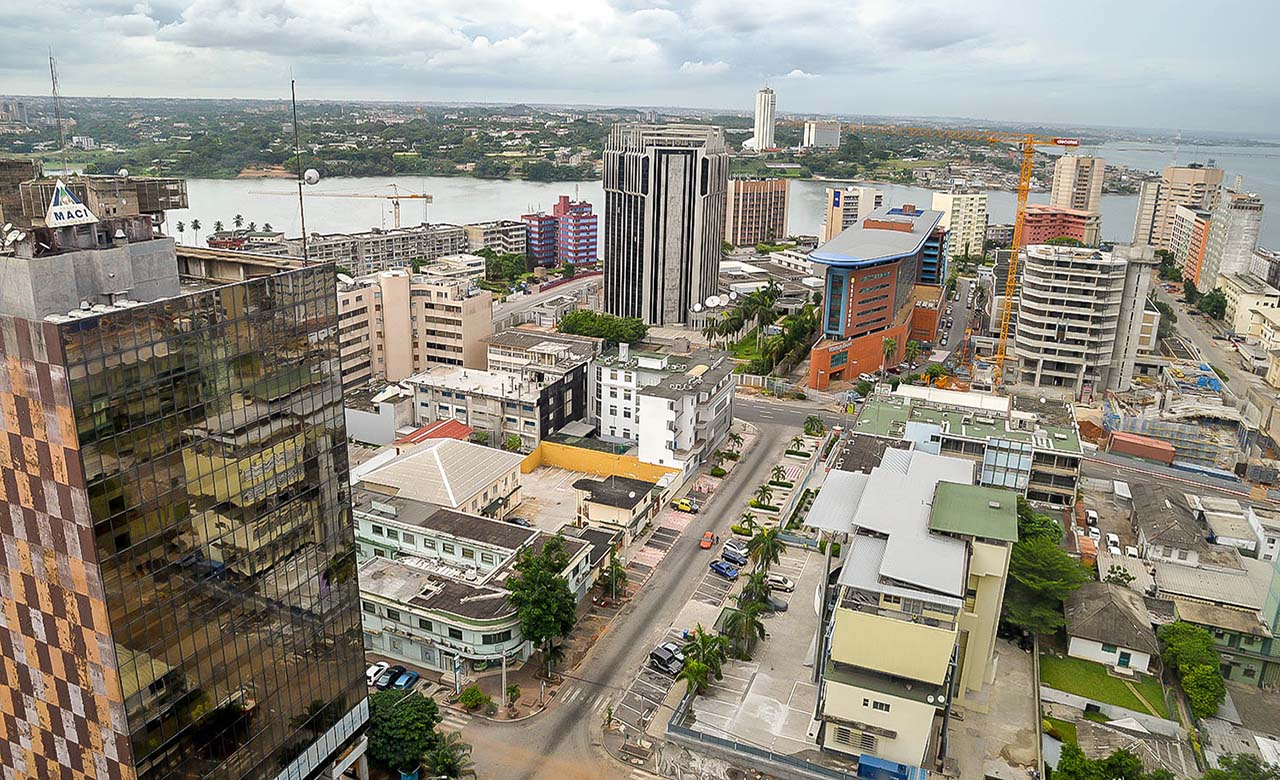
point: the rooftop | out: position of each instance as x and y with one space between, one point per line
1250 284
861 452
1239 620
440 429
439 520
914 690
402 581
972 510
564 347
888 233
494 384
668 373
621 492
1164 517
1109 613
447 472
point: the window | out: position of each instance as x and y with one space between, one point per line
468 553
495 639
430 544
455 633
1182 555
393 534
393 614
1106 648
880 705
367 607
380 553
446 548
408 538
1250 671
486 557
377 531
424 624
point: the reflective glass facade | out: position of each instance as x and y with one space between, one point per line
211 432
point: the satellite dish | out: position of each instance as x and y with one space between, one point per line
713 301
312 176
346 279
733 296
12 237
123 173
697 307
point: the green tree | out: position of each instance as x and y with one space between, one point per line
266 226
765 548
401 727
238 221
1243 766
511 443
513 694
541 596
1040 577
614 330
473 698
450 757
743 625
181 227
748 521
696 676
1213 303
796 444
734 439
195 228
813 425
1205 689
912 351
888 348
614 578
756 586
764 494
1118 575
1065 241
935 371
708 651
1032 524
1073 764
1185 645
778 474
1189 291
1168 318
863 388
253 227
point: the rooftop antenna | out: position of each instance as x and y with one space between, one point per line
310 177
57 111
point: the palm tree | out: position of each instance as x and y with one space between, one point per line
253 227
743 625
778 474
450 757
195 225
181 228
764 494
912 352
696 676
756 587
710 331
238 221
813 425
797 443
553 654
748 521
889 348
708 650
734 439
266 226
217 226
765 548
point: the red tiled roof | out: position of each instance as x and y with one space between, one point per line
440 429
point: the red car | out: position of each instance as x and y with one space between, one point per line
708 539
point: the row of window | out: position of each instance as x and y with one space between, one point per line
423 624
446 548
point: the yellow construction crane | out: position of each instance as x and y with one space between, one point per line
1028 143
395 197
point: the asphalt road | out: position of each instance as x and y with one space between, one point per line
503 310
1199 330
563 743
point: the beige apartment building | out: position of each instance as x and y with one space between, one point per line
1194 186
756 211
394 324
1188 239
964 215
847 205
1077 183
1246 294
505 236
377 250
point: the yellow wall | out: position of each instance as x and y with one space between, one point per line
601 464
911 720
988 566
892 646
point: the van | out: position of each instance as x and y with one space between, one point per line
1113 541
1091 517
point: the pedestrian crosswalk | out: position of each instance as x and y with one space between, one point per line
451 720
591 698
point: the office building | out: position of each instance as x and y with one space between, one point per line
13 112
917 604
1194 186
1042 224
577 231
1266 264
821 135
179 578
664 189
685 400
432 583
1245 294
766 107
1187 241
1000 235
845 206
756 211
379 250
504 236
964 217
1077 183
540 242
105 197
1233 234
396 323
1080 315
1023 441
880 282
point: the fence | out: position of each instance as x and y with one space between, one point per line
773 384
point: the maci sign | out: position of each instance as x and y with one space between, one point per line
65 209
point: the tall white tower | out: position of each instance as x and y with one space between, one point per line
766 105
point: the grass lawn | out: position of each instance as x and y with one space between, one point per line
1065 730
745 349
1086 678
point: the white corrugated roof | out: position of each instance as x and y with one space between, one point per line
446 472
839 496
1241 588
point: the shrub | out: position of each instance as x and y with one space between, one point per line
798 453
717 471
472 698
782 483
754 504
732 455
740 530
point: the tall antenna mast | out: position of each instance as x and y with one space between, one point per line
297 158
57 111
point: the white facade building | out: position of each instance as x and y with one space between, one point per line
1233 235
964 214
821 135
1077 183
766 107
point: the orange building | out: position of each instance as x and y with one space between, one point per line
1188 238
1044 223
881 283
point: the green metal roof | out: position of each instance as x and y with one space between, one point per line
888 417
971 510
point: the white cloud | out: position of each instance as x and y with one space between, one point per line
798 74
701 68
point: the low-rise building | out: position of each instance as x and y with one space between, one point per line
1110 624
378 250
504 236
683 398
917 603
375 414
468 267
1044 223
617 504
449 473
1245 294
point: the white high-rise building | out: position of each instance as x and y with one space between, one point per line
847 205
821 135
766 107
1077 183
664 218
964 214
1233 235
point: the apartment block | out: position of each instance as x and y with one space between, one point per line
577 232
504 236
1077 183
1044 223
1194 186
676 406
821 135
106 197
1080 314
1245 294
1266 264
540 242
964 217
917 604
379 250
756 211
1233 234
396 323
845 206
1190 231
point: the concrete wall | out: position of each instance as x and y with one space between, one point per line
988 565
1091 650
911 720
603 464
36 287
1149 721
371 427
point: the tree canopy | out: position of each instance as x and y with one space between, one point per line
1213 303
1243 766
1120 765
615 330
1034 525
1040 577
1189 650
544 603
401 728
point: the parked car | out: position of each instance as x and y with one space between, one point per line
779 582
1091 517
389 676
406 681
865 377
1114 551
724 569
1219 337
1113 541
374 672
520 521
1131 551
774 605
667 658
685 504
737 545
1095 534
707 540
733 556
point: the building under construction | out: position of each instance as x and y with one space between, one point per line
108 197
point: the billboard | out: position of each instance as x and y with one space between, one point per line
65 209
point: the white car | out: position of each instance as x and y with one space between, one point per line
1091 516
1114 551
867 377
738 546
1113 541
1095 534
374 672
1131 551
779 582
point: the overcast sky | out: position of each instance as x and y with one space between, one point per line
1143 63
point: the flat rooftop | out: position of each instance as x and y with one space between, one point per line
403 581
472 381
1250 284
443 521
620 492
870 240
973 510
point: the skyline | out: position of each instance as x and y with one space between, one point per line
1105 65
